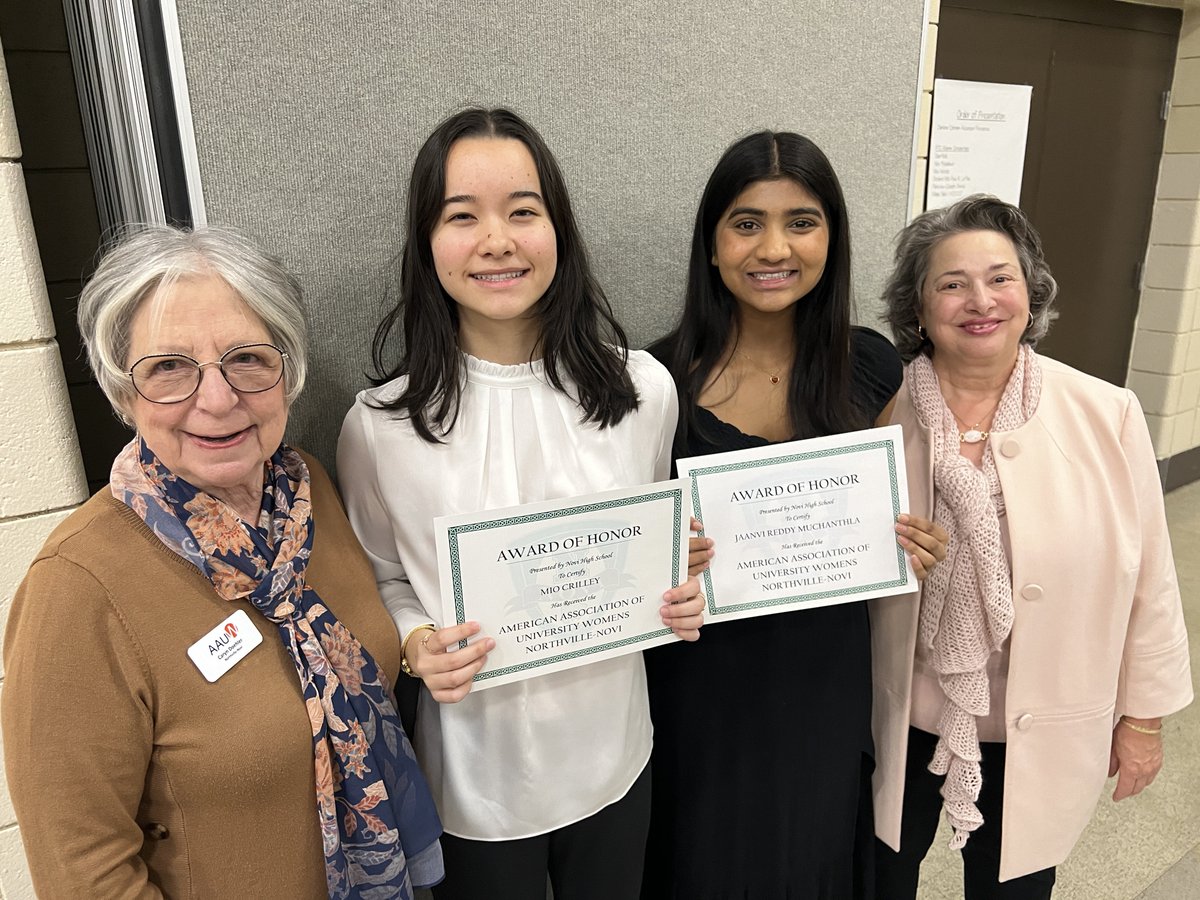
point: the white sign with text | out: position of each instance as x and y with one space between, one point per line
977 145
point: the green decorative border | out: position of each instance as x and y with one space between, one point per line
675 494
889 446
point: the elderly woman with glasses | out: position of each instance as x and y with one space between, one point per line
1049 644
198 699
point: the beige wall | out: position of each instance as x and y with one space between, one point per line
41 473
1164 366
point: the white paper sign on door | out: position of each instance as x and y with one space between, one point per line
978 140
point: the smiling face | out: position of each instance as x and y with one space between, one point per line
975 302
494 244
217 439
771 245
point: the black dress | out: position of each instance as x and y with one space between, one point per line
763 756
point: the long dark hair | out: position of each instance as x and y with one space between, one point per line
819 400
580 339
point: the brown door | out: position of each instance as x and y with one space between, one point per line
1099 72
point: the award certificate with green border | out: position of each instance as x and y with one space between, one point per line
802 524
565 583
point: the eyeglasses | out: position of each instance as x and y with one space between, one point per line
173 377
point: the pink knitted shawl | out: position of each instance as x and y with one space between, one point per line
966 602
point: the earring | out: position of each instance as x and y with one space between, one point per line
1030 325
922 333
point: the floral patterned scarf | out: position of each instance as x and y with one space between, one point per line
378 822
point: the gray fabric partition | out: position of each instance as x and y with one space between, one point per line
308 114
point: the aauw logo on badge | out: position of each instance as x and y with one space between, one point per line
223 647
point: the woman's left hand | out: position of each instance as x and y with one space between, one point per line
683 609
1135 758
924 540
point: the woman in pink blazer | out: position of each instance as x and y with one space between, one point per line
1046 649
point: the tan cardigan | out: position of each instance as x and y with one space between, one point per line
1098 630
130 774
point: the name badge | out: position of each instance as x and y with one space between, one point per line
223 647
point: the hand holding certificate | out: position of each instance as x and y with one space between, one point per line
560 584
802 524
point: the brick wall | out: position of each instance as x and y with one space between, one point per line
41 473
1164 367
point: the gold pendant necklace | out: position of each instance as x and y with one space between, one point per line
974 434
774 376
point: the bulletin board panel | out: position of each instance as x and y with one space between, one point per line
307 116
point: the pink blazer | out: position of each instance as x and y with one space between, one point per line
1098 630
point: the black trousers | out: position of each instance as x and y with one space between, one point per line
896 874
597 858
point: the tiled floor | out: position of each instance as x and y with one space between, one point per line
1146 848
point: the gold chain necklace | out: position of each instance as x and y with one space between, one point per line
774 376
974 434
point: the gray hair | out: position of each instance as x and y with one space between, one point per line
147 259
914 247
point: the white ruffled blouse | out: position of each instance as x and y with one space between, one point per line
526 758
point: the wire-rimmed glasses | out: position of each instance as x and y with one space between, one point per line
173 377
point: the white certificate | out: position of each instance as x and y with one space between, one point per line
802 524
564 583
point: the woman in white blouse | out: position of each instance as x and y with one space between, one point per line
514 386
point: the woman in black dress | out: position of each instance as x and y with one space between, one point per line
762 744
